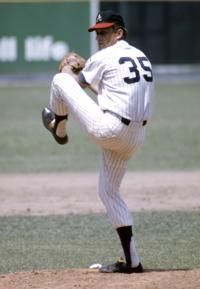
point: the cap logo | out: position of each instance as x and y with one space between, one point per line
99 18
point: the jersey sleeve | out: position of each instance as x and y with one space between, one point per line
94 69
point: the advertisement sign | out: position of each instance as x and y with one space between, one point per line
35 36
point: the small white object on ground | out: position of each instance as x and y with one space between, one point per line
95 266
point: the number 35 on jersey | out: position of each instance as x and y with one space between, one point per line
134 73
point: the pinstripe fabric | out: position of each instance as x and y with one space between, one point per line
59 108
120 71
118 141
56 102
111 174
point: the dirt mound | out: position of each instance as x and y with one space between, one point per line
92 279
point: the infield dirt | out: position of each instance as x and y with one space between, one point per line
49 194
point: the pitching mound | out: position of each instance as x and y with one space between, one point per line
82 278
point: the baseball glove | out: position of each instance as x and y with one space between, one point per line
74 61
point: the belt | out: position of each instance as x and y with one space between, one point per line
123 119
127 121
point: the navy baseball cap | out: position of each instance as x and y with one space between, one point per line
106 19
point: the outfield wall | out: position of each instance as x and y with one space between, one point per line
34 36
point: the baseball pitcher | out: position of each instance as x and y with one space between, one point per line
121 75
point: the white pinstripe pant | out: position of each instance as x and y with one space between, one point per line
117 140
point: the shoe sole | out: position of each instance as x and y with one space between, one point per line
48 117
113 269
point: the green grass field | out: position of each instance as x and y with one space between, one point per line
165 239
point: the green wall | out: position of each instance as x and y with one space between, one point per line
35 36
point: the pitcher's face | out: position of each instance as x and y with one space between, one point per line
107 36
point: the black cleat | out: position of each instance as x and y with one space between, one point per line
121 267
50 121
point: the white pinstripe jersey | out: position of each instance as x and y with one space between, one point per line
124 78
